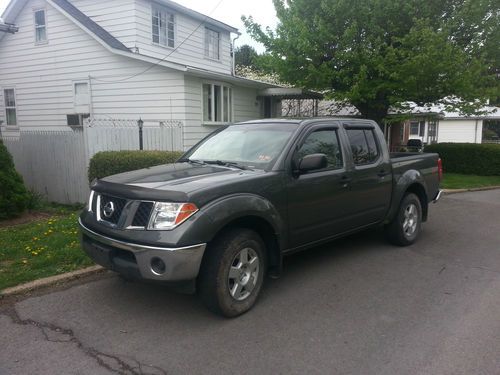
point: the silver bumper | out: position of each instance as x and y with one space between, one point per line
181 263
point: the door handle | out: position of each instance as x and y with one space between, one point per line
344 181
382 173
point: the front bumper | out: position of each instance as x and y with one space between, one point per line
142 261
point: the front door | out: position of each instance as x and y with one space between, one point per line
319 200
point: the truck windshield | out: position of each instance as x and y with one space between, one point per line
251 145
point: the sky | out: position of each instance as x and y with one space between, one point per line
229 12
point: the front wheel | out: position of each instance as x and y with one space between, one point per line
232 272
405 227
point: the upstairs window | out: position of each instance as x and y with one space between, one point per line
163 28
363 146
40 26
212 41
217 103
10 106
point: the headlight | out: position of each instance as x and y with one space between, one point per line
167 216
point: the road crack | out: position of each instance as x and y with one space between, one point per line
122 365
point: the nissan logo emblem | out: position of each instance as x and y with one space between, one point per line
108 209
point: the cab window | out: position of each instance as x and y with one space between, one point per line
324 141
363 146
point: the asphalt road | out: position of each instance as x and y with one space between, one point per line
355 306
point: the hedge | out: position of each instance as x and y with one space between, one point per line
468 158
14 198
107 163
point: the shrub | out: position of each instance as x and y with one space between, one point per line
14 197
469 158
107 163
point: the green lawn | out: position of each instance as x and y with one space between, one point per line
465 181
40 248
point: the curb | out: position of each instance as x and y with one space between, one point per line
454 191
48 281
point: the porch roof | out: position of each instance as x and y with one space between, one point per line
290 93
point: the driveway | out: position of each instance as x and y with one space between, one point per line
355 306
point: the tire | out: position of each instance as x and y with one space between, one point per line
406 226
232 272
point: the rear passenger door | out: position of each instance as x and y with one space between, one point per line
371 173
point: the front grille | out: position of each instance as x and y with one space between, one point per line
111 208
142 214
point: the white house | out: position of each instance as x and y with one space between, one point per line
121 59
434 124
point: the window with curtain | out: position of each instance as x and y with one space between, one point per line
212 42
40 26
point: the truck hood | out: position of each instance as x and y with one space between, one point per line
174 182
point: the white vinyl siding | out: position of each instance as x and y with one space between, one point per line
10 107
212 40
40 26
44 78
163 27
458 131
189 40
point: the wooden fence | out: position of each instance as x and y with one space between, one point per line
55 163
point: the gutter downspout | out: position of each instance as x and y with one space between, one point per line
234 54
475 133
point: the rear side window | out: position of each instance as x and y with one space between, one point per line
326 142
363 146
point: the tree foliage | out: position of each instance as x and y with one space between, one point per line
245 56
14 198
377 54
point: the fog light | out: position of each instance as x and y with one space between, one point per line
158 266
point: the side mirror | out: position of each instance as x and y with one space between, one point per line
313 162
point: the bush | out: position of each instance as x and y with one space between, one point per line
107 163
469 158
14 197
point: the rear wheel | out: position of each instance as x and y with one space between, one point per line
406 226
232 272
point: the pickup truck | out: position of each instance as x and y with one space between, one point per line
227 212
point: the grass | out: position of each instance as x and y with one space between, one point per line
465 181
41 248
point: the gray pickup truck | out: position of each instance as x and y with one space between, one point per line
226 213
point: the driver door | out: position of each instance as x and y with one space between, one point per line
318 200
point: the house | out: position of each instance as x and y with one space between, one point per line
435 124
429 124
132 59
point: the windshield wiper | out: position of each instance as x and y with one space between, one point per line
194 161
228 164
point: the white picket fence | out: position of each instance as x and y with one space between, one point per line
55 163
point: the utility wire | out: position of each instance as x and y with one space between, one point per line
166 56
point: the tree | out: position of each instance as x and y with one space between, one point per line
378 54
14 198
245 55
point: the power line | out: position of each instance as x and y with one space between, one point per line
166 56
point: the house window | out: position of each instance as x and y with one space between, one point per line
414 128
10 106
81 93
363 145
212 41
163 28
40 26
217 103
